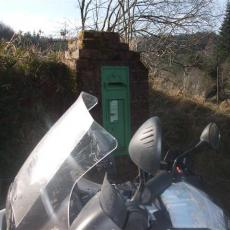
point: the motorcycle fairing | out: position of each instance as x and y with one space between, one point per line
2 214
105 210
39 196
189 207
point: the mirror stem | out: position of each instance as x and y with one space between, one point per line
137 194
183 155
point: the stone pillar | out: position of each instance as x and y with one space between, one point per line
97 49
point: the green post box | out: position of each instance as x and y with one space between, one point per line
116 104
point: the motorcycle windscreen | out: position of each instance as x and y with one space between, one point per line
39 196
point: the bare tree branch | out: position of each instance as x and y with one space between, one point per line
146 17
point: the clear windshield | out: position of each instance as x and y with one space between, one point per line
40 193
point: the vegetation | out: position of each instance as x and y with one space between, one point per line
224 54
41 43
224 38
35 89
25 40
187 65
182 129
5 32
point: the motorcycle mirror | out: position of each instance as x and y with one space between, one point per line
145 146
211 135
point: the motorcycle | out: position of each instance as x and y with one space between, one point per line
50 191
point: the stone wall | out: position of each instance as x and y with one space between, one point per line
97 49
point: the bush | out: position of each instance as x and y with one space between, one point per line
34 91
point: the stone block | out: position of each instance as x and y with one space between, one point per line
111 36
123 47
100 44
85 64
91 44
87 34
91 54
124 55
135 56
100 36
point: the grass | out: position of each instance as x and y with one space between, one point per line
183 120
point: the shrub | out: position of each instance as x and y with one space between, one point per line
34 91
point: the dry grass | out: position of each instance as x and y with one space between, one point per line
183 120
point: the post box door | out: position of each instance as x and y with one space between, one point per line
116 104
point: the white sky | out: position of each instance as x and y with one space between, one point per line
49 16
32 15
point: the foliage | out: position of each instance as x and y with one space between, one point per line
224 53
40 42
225 67
34 91
224 38
188 67
183 51
37 40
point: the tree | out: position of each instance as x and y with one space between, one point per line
223 51
133 18
5 32
84 10
224 38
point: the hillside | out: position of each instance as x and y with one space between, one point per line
187 64
183 120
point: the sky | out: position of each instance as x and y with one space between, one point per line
49 16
